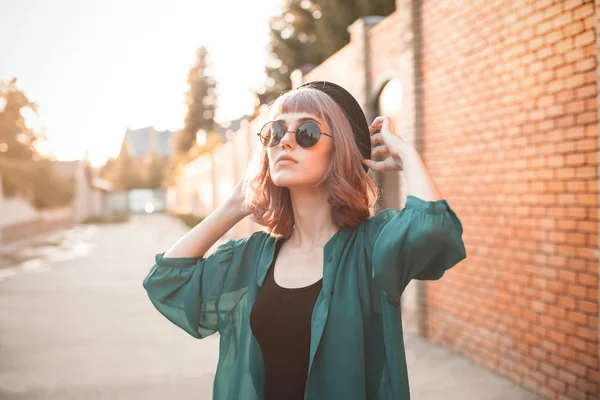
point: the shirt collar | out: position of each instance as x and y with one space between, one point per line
268 254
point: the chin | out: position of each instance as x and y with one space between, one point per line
288 177
286 181
291 180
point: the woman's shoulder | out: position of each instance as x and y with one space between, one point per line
378 218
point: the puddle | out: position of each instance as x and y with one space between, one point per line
39 256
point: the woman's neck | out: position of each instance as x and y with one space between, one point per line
314 224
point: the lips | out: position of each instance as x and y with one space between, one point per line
285 157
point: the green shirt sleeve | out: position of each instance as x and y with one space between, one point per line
187 290
420 241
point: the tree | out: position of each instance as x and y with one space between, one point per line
201 100
36 181
307 32
123 172
50 188
17 140
155 171
337 15
293 37
23 170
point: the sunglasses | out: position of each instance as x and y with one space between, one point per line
307 134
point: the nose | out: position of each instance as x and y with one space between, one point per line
288 139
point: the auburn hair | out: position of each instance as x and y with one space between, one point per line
352 192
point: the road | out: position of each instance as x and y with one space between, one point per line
80 326
76 323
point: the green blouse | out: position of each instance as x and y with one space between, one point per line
356 345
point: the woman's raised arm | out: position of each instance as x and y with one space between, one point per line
203 236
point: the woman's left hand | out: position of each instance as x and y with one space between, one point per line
386 143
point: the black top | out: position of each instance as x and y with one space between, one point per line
280 320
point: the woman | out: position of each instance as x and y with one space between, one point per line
309 307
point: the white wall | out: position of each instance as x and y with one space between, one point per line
15 210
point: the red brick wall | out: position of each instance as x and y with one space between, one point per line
385 46
343 68
510 135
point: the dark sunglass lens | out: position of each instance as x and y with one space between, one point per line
271 134
308 134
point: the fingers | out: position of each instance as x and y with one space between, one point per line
378 121
377 139
374 165
382 122
386 165
387 124
373 129
380 151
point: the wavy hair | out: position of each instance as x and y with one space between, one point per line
352 192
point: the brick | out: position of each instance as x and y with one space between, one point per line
584 11
565 45
586 91
576 107
591 104
577 317
555 61
562 20
587 280
569 4
553 37
575 159
575 80
574 55
585 65
584 38
586 333
590 22
591 158
573 29
587 226
586 145
567 377
577 186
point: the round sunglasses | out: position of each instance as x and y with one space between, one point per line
307 134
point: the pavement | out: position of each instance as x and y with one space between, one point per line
77 324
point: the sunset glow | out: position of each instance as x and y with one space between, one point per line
96 68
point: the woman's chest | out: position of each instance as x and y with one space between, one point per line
293 270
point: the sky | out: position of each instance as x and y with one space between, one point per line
98 67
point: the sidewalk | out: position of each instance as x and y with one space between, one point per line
437 374
97 270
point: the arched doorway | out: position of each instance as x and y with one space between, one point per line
390 103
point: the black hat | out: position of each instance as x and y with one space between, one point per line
353 111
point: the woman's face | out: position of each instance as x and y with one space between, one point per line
308 166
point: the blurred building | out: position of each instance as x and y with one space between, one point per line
500 99
91 193
19 219
141 143
144 146
208 180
